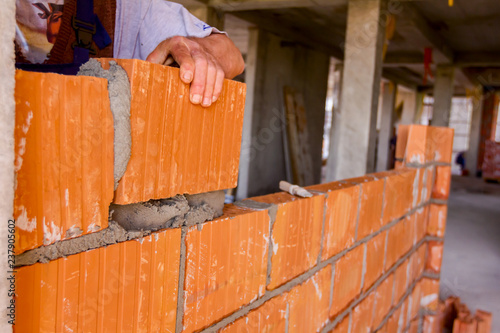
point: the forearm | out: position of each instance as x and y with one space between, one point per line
225 52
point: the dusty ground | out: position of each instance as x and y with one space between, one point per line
471 260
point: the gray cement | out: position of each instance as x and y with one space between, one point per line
134 221
181 210
7 120
119 99
471 260
111 235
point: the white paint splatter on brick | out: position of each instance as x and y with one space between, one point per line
66 197
26 126
426 300
275 245
51 232
316 286
23 222
93 227
19 156
416 159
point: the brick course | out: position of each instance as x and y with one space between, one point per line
333 267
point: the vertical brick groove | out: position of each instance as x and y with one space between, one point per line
182 277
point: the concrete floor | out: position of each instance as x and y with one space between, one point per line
471 259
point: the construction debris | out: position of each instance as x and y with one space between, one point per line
455 317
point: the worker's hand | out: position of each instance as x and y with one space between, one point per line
197 67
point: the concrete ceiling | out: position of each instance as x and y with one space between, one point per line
466 34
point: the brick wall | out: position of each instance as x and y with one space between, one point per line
64 148
361 255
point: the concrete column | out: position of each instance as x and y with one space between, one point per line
409 100
471 160
7 26
443 93
246 139
386 126
489 114
353 147
337 93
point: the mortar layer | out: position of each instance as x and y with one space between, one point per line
119 100
133 221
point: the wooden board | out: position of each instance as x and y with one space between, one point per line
298 137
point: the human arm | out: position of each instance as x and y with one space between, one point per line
204 63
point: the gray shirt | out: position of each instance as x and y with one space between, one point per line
141 25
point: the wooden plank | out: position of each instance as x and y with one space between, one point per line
298 137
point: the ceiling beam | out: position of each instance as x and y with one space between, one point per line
242 5
294 35
397 59
475 59
416 22
396 76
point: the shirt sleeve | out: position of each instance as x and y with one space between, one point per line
158 20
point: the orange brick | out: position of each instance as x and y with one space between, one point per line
421 178
126 287
296 235
340 216
430 324
269 317
343 326
309 302
399 194
441 142
400 281
375 254
348 277
393 321
226 266
437 220
399 241
421 217
402 141
414 326
415 297
370 213
417 263
441 189
417 145
425 182
411 227
399 165
403 319
383 299
178 147
434 257
362 315
430 293
429 182
64 157
483 321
